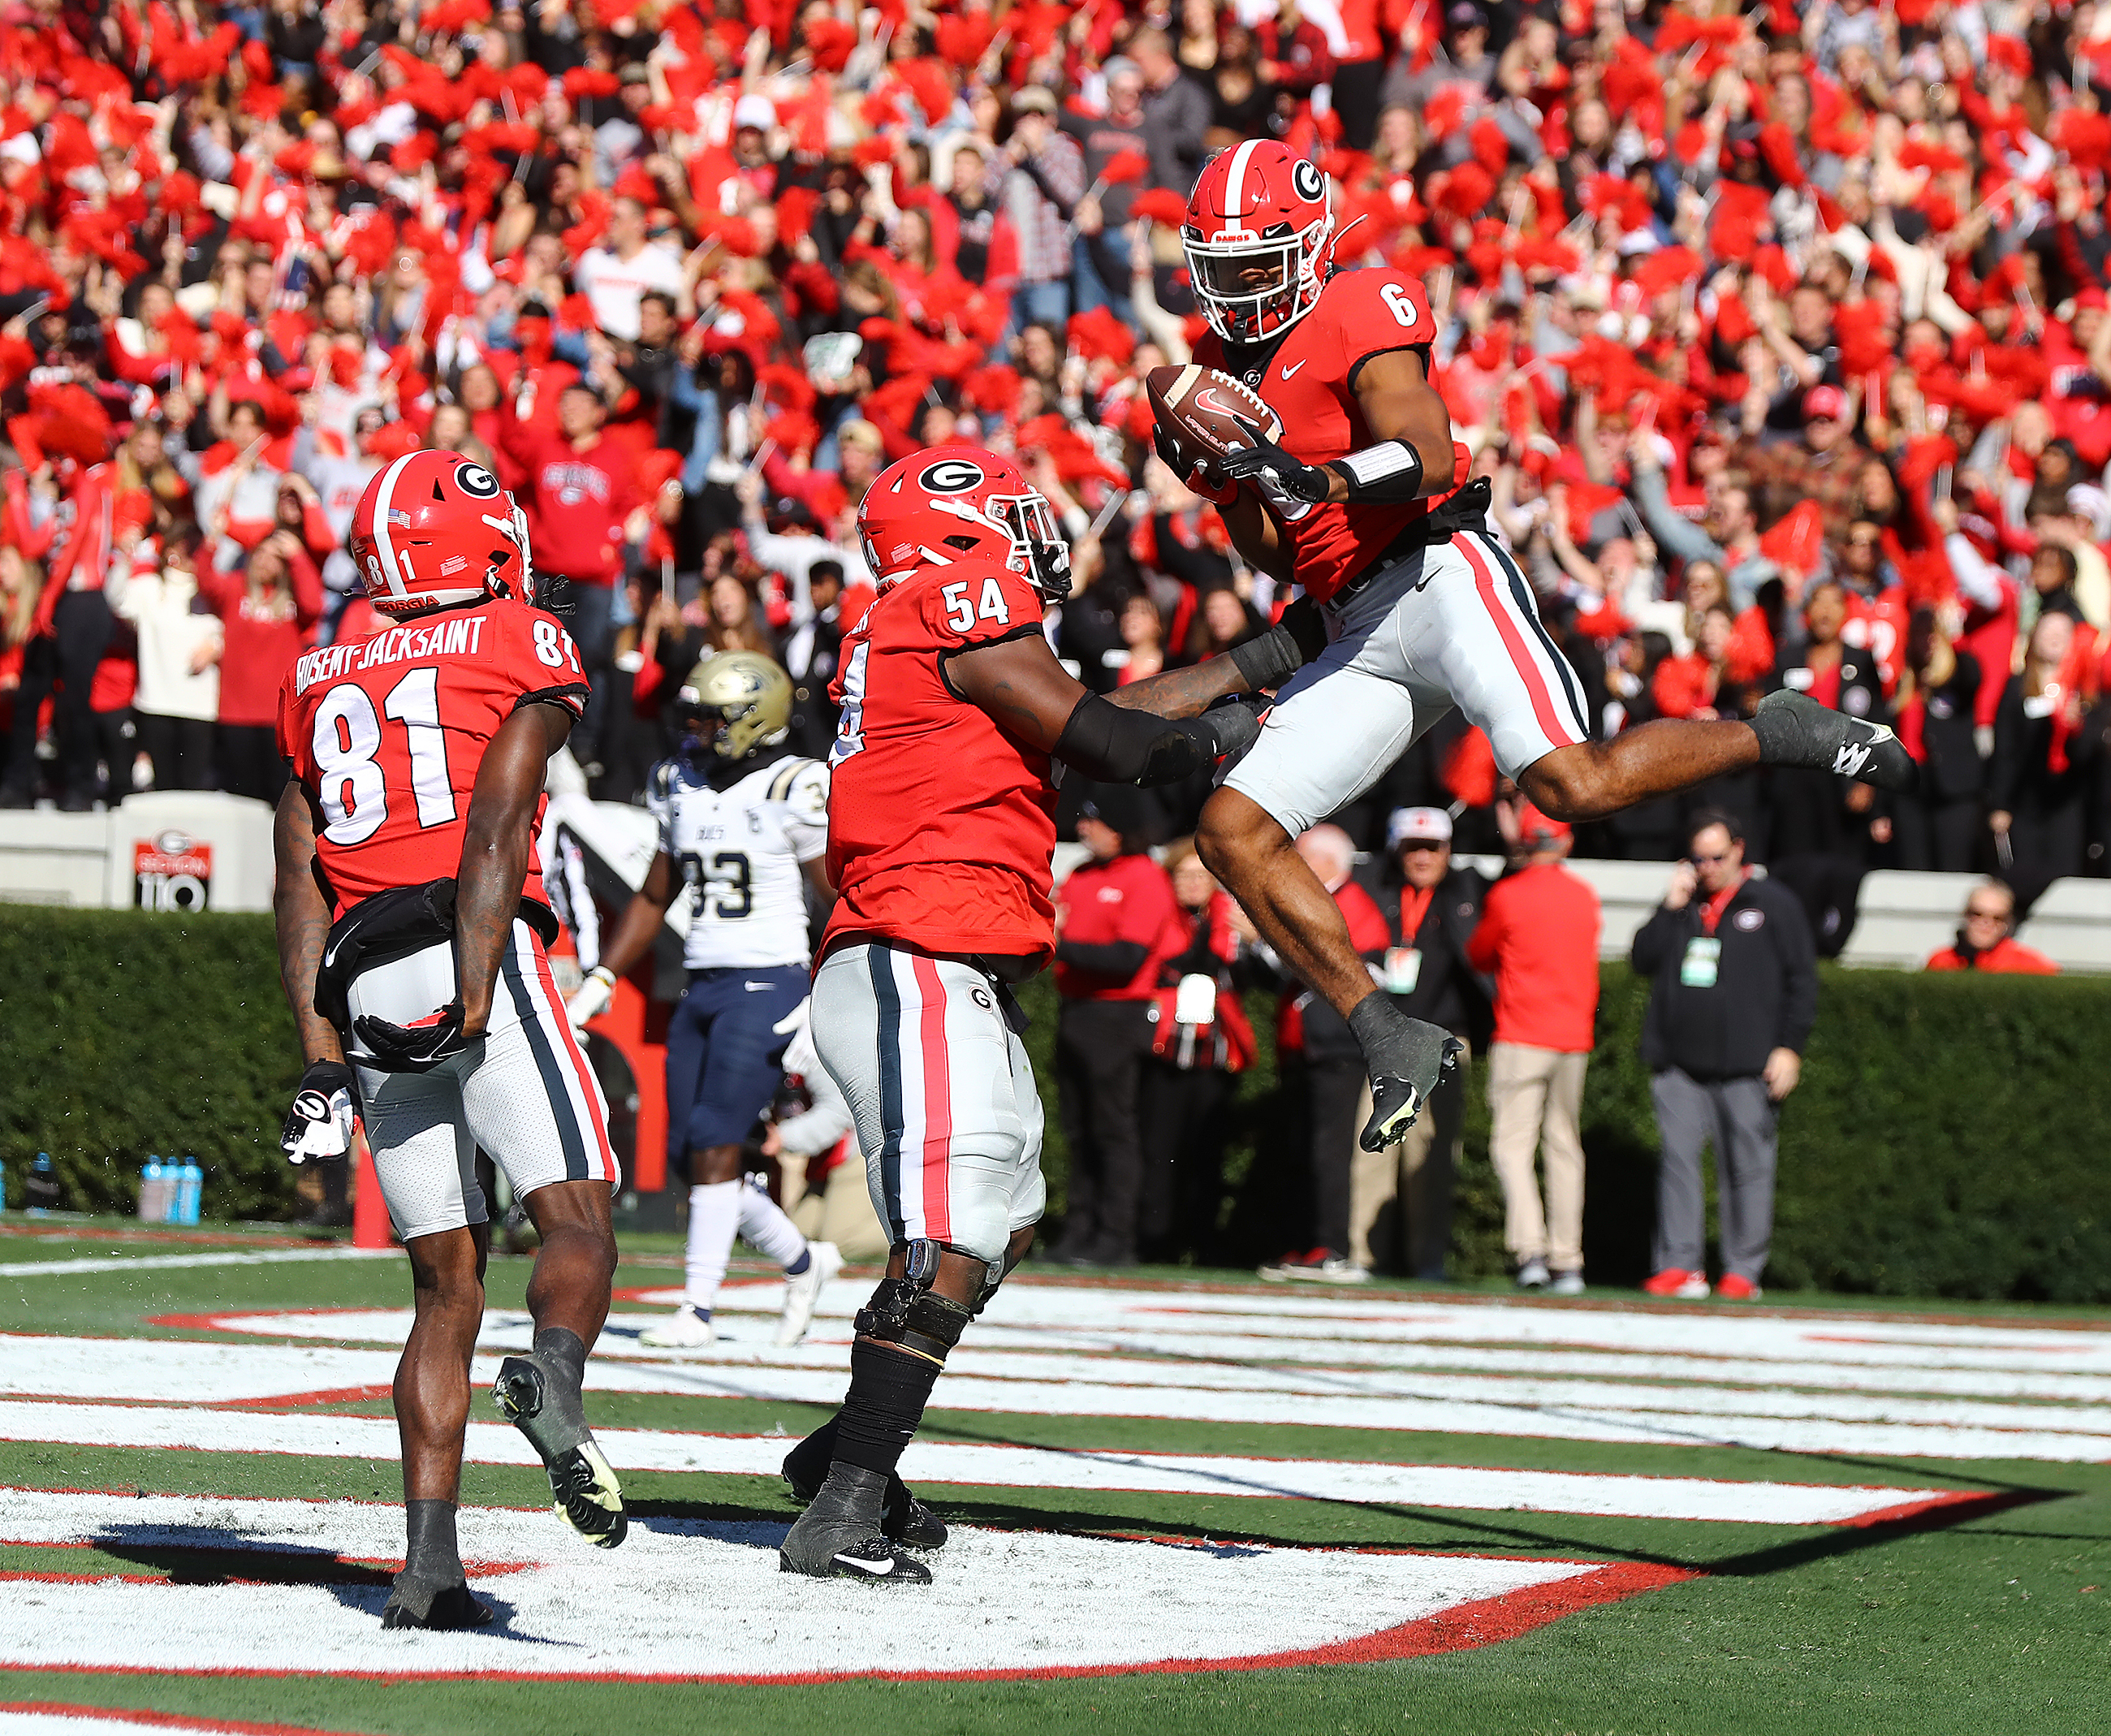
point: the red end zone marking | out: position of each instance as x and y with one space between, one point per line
1952 1508
156 1721
302 1401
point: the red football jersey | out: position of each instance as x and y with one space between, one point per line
1309 379
388 733
941 826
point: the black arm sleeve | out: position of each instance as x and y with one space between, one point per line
1116 958
1112 745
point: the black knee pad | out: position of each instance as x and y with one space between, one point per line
905 1311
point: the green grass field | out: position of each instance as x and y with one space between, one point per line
1995 1620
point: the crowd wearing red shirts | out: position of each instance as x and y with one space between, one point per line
1781 332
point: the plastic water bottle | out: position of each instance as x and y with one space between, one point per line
190 1185
152 1192
43 1192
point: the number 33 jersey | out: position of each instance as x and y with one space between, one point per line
741 848
388 734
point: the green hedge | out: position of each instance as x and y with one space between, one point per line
128 1032
1948 1139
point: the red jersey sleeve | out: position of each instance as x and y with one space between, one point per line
1375 311
534 658
985 604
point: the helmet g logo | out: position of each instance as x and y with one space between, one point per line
474 479
951 476
1306 181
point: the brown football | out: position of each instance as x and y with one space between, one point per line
1207 413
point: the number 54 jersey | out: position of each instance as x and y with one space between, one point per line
388 733
741 846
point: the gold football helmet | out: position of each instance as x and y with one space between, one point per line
738 701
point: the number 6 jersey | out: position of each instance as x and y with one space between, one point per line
742 846
388 733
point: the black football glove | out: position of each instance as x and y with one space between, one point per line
1235 724
418 1049
320 1123
1293 476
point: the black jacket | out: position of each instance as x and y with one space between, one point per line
1448 991
1765 994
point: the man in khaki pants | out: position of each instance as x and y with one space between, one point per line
1400 1198
1539 937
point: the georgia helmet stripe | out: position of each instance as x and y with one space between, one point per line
384 543
1235 181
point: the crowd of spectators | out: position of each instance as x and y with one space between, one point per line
1781 332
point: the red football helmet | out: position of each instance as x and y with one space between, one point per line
948 505
435 530
1257 240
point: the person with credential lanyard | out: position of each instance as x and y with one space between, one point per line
1400 1198
1733 995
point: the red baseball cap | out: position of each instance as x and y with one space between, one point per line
1535 828
1828 401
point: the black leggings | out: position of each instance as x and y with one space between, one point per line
249 762
65 662
181 749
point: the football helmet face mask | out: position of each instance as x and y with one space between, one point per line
949 505
434 530
733 704
1258 240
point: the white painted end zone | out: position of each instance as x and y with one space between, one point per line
1689 1414
1143 1357
1003 1603
930 1464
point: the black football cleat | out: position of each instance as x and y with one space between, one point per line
415 1604
876 1561
1794 729
903 1519
838 1535
587 1495
1399 1096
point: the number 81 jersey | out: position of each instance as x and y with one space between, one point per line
741 846
388 733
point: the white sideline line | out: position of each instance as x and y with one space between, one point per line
27 1420
1363 1483
176 1370
172 1262
1312 1324
1223 1360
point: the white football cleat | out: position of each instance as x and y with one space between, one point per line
823 1261
688 1330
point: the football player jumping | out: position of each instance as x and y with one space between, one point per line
745 821
1425 608
941 826
412 928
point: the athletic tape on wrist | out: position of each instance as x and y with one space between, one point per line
1390 471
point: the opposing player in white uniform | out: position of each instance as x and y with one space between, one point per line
744 821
